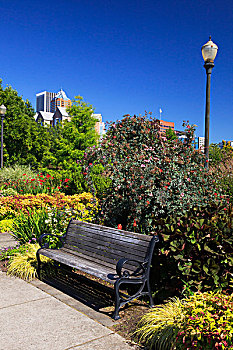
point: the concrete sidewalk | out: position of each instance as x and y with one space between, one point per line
6 240
35 316
34 320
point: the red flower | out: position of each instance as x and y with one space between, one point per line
48 176
114 137
119 227
166 187
134 223
59 187
66 180
161 170
24 174
90 164
215 194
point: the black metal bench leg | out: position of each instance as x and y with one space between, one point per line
115 315
38 265
149 293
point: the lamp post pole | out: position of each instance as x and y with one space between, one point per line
209 52
208 66
2 113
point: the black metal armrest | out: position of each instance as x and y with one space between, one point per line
46 244
125 273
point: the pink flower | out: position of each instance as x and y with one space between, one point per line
143 166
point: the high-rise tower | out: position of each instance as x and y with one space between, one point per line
49 101
43 101
60 100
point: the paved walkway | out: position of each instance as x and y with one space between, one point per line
6 240
35 316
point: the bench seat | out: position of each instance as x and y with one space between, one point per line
115 256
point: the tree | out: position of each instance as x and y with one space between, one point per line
170 135
24 140
68 142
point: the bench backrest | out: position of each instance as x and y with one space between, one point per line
107 245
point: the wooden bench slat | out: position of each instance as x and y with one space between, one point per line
137 245
109 230
82 264
104 258
109 246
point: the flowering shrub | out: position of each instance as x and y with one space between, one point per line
150 177
83 204
203 321
208 323
34 185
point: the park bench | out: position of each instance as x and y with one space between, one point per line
115 256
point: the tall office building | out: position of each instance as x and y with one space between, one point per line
60 100
43 101
49 101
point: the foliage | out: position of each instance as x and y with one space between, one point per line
15 173
202 321
24 140
29 225
6 192
7 253
37 184
54 148
197 249
222 166
82 204
23 263
208 322
170 134
68 143
6 225
149 177
158 328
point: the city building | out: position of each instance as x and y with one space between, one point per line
43 101
100 125
201 143
60 115
60 100
166 125
49 101
44 118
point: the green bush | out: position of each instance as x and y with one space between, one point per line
15 173
23 263
28 227
149 177
196 250
202 321
158 328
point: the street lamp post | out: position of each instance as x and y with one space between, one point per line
209 52
2 113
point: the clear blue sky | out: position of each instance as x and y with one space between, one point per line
123 57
